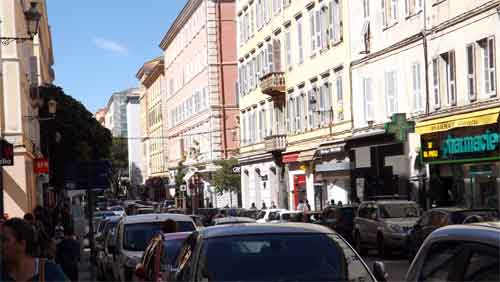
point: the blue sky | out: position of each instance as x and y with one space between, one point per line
99 45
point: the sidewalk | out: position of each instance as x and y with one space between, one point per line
85 268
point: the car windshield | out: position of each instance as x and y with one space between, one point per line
280 257
347 214
137 236
487 215
399 210
295 217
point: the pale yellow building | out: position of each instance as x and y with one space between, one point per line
294 89
152 103
24 65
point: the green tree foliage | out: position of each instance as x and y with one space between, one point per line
179 176
224 179
73 135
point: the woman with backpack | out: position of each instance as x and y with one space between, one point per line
19 263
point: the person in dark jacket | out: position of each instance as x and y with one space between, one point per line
68 254
18 262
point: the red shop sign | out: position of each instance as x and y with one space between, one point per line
290 158
41 166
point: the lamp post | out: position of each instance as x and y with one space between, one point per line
32 17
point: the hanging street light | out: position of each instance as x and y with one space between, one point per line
32 17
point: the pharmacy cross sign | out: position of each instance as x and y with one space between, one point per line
399 126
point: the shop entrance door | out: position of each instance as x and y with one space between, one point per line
299 189
483 188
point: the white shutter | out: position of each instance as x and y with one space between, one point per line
251 76
435 83
391 92
471 71
417 87
318 28
340 98
368 99
452 89
270 57
384 13
490 67
331 21
312 33
299 42
288 44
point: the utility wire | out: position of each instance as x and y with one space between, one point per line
178 136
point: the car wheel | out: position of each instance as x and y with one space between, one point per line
358 245
381 248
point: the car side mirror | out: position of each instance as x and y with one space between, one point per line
379 271
140 272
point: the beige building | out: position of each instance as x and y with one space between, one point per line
201 107
152 103
100 116
293 67
396 48
23 67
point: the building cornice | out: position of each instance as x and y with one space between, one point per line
179 22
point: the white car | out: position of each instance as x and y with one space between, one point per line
133 236
286 216
263 216
118 210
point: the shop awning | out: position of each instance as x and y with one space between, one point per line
306 156
290 158
476 118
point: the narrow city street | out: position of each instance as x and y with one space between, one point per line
396 265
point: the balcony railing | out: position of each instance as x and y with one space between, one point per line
275 143
273 84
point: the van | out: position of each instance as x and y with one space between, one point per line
133 236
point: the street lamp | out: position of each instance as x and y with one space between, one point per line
52 109
33 17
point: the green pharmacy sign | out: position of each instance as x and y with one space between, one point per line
486 142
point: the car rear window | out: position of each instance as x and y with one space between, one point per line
280 257
170 251
137 236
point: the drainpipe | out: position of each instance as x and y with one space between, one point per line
221 79
426 60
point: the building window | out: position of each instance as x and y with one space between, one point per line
315 31
335 14
471 72
435 83
270 65
394 10
251 76
286 3
368 100
417 87
258 13
291 115
391 92
300 45
262 122
270 120
340 97
312 96
413 7
288 46
488 57
450 68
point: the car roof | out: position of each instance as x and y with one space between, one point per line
291 212
256 228
491 224
114 218
387 201
155 217
176 235
481 233
234 219
459 209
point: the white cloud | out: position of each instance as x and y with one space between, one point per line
110 45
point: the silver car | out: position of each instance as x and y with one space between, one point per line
459 253
384 224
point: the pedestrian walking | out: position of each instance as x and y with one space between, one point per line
273 205
19 264
264 207
301 206
308 206
68 254
253 207
169 226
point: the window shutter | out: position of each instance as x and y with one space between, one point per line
288 43
300 43
340 98
435 83
331 21
270 57
277 55
491 66
452 79
384 13
471 72
312 32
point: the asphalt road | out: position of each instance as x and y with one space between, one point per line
396 265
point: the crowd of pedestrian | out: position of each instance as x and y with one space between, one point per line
40 247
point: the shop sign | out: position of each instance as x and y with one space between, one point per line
399 126
290 158
41 166
333 166
461 143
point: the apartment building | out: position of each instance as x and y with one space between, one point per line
201 105
100 116
431 64
293 74
154 141
24 65
460 135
